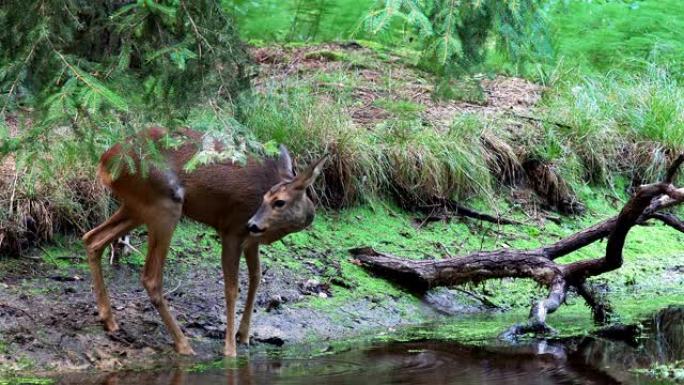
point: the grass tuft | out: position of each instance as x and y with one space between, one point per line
424 163
311 127
617 123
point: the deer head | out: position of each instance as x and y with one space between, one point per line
285 208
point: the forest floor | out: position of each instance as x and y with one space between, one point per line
48 319
312 290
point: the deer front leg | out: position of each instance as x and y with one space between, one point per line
230 262
254 268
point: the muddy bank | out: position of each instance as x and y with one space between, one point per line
48 318
576 360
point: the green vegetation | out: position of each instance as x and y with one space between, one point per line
454 37
26 381
620 36
603 116
308 20
610 116
673 371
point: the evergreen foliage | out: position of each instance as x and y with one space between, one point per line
453 35
98 67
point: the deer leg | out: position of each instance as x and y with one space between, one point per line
95 242
160 232
230 262
254 268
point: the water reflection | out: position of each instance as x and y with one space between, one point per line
588 360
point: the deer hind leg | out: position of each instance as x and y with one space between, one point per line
230 262
162 223
95 242
254 269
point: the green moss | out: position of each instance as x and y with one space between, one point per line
325 54
26 381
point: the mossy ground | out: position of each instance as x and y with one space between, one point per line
651 277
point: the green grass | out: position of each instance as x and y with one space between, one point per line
273 20
424 162
616 123
622 36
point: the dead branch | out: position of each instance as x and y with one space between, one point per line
670 220
538 264
451 208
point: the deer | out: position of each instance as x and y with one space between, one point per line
250 204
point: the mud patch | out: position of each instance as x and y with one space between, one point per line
48 317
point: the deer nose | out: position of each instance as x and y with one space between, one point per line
254 228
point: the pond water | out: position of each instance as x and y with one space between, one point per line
586 360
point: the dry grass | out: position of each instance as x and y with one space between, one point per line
41 199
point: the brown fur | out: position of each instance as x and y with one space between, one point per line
223 195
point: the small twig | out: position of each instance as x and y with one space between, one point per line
197 32
535 119
446 251
14 190
486 301
174 289
18 309
427 218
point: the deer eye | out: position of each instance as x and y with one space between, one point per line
279 203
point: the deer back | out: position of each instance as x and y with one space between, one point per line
223 195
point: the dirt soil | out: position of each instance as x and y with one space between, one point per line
369 78
48 317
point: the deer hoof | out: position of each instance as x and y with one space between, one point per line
110 325
185 350
242 340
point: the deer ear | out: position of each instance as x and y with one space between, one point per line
309 176
285 163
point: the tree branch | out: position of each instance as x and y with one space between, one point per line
538 264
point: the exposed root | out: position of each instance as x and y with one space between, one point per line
601 310
447 208
548 185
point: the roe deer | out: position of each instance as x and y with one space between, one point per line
248 205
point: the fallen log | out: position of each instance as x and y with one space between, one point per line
539 264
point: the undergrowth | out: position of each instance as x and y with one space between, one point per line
620 124
597 126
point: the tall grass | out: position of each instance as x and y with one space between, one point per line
311 127
57 193
425 163
621 122
609 36
402 158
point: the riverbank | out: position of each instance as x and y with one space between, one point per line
652 359
311 292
